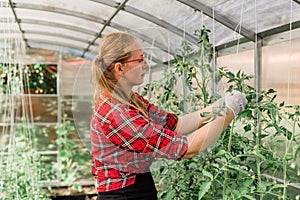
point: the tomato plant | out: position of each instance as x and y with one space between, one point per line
255 157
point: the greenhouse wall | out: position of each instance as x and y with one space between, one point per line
280 68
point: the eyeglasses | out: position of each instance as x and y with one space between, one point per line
140 60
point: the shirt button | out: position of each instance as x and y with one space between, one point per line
123 175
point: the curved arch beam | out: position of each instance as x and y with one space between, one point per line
150 18
88 32
113 4
59 25
67 45
52 24
63 11
55 43
58 35
86 17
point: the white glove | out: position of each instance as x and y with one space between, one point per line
236 101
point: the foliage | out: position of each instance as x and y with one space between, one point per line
37 78
23 164
10 79
256 146
42 78
20 166
21 169
75 159
25 171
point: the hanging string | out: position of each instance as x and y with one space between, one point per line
202 18
214 65
255 19
184 33
290 52
289 60
239 26
258 70
184 86
213 36
169 46
14 111
150 60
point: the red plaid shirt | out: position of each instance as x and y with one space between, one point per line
125 143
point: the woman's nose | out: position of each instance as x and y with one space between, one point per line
146 65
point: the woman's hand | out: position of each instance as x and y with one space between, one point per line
205 136
236 101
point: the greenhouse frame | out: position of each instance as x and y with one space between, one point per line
196 50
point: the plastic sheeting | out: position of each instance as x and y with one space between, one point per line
160 24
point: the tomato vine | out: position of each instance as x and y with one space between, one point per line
252 154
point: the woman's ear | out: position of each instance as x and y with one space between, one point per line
118 68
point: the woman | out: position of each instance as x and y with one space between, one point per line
128 132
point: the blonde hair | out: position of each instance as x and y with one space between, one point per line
113 49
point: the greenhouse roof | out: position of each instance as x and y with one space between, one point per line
78 26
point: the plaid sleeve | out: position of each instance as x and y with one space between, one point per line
127 128
160 116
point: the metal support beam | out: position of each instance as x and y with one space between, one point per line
219 17
121 6
232 44
297 1
12 6
258 86
261 35
279 29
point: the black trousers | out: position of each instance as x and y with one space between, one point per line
142 189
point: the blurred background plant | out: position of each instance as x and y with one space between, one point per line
36 156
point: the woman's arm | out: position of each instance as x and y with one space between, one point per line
202 138
205 136
192 121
